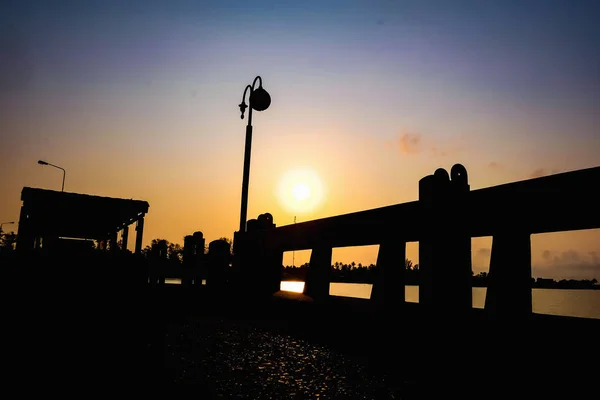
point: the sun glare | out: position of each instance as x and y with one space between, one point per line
300 190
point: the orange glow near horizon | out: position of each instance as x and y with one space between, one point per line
366 101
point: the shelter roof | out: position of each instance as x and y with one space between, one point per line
65 214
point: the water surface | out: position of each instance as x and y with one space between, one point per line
577 303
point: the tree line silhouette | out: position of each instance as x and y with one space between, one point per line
359 273
8 240
167 254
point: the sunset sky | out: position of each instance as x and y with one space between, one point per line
139 99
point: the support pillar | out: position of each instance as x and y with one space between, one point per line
389 286
25 240
275 270
445 246
318 277
508 293
125 238
139 234
271 263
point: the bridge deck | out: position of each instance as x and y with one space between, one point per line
297 349
244 359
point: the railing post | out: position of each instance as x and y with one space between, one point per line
318 276
389 285
508 295
460 265
257 260
445 245
270 256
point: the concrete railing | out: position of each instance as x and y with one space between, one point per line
444 219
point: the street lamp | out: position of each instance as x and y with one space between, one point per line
259 100
55 166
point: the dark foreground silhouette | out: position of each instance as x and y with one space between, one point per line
70 322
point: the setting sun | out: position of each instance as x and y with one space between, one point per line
300 190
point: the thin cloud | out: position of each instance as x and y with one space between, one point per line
409 143
414 143
494 165
571 264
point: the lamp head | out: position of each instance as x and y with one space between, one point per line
42 162
243 107
260 99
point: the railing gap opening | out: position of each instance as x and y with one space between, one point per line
295 268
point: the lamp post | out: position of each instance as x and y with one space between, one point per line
55 166
259 100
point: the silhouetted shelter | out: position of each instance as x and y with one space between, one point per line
49 215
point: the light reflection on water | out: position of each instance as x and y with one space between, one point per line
577 303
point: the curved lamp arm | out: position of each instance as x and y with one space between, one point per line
259 79
243 105
42 162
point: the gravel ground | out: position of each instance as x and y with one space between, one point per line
232 359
